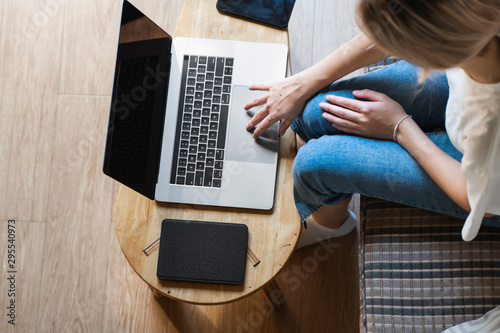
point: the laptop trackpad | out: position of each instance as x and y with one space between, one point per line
241 146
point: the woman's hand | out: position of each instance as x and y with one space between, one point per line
375 117
285 101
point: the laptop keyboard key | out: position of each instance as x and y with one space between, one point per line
219 69
193 62
211 64
190 178
208 177
198 179
221 137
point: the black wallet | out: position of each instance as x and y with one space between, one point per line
273 12
197 251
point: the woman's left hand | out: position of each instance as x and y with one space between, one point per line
375 117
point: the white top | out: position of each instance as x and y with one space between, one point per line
473 125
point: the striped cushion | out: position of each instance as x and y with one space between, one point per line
418 275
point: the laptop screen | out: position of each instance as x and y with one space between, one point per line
138 102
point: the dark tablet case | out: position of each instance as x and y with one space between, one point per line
273 12
197 251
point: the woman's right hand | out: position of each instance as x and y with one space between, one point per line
284 101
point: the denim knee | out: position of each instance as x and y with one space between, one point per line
317 176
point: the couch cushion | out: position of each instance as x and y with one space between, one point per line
418 275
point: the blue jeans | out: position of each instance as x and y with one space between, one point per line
333 165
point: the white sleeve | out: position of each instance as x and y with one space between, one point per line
481 168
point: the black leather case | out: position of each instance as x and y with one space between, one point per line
207 252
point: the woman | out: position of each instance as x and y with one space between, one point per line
376 134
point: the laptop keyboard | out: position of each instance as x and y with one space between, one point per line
202 121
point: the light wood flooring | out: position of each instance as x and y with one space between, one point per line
56 69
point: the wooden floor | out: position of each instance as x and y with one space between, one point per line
56 69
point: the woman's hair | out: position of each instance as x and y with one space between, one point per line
434 34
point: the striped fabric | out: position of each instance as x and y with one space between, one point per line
418 275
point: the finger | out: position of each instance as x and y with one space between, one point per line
264 124
342 124
263 87
257 118
284 126
340 111
349 103
256 102
369 95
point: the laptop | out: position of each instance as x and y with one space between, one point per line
176 129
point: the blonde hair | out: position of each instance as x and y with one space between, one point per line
434 34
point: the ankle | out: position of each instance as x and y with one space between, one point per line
332 222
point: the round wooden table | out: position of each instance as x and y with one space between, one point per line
272 238
272 234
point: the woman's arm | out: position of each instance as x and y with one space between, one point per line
287 98
358 52
376 115
443 169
